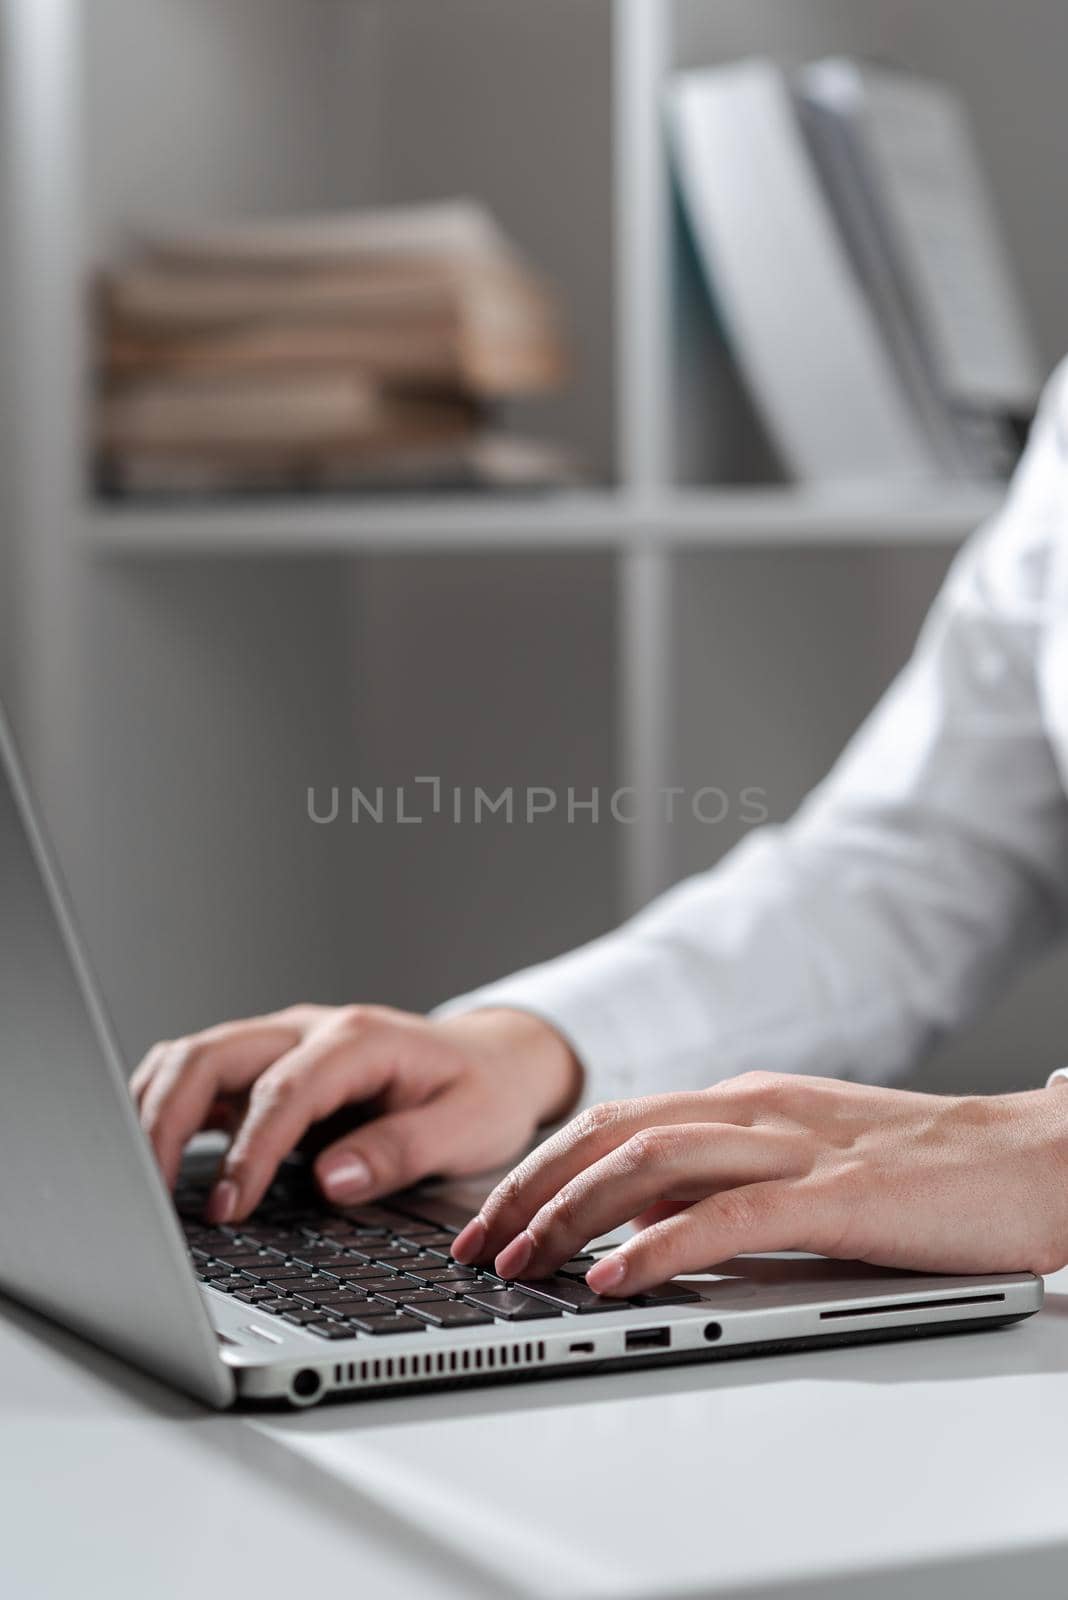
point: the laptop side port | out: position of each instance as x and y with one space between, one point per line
648 1339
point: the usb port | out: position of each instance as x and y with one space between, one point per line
648 1338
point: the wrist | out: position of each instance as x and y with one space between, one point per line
1051 1119
506 1038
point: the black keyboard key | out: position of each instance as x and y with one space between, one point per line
329 1330
378 1217
569 1295
333 1297
314 1255
350 1256
423 1262
271 1272
333 1228
307 1284
452 1314
666 1294
216 1270
511 1304
211 1239
324 1297
254 1297
283 1240
410 1295
350 1306
395 1255
362 1221
359 1291
302 1315
426 1212
444 1275
387 1324
239 1260
353 1272
280 1306
577 1267
269 1252
228 1285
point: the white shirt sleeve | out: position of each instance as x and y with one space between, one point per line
918 876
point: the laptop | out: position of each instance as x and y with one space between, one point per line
302 1302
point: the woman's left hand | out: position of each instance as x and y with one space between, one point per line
769 1162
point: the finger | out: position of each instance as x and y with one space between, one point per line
560 1158
682 1163
396 1150
776 1215
191 1074
142 1074
324 1072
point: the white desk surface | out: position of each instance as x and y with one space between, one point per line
938 1468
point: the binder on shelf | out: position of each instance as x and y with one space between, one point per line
900 163
851 251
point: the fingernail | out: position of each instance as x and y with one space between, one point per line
606 1275
469 1242
514 1257
345 1177
222 1201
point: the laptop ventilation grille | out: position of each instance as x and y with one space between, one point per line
438 1364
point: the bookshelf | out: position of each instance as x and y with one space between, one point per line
267 104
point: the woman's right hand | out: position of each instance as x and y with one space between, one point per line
452 1097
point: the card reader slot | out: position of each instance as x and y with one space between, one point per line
912 1305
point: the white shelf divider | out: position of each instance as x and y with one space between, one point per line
41 45
642 52
292 526
851 515
610 519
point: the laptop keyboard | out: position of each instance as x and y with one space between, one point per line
377 1271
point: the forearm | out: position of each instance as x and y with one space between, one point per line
804 952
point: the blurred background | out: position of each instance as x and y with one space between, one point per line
391 392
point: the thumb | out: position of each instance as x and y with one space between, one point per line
392 1152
